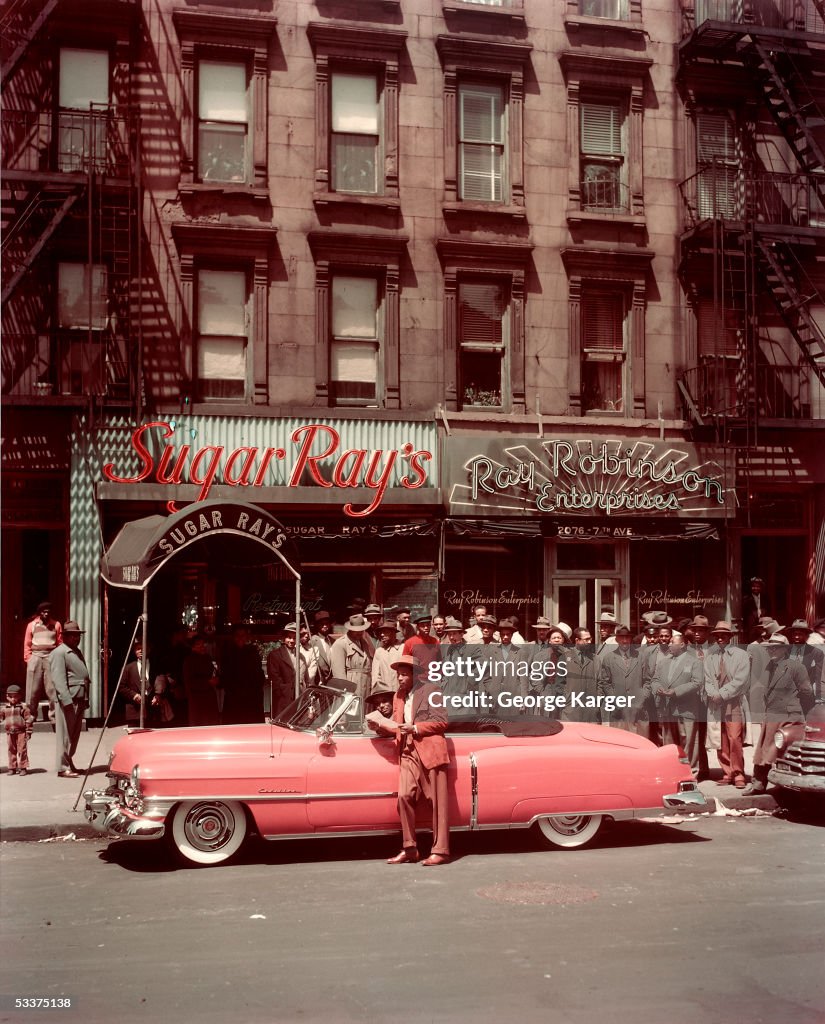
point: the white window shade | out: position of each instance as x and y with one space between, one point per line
716 137
354 307
355 104
222 359
481 143
84 78
222 302
603 322
481 112
222 92
354 361
601 128
482 310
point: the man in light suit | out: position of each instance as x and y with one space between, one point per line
70 677
424 758
621 675
727 674
679 681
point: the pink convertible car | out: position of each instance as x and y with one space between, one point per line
319 771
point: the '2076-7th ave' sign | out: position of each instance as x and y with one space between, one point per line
586 477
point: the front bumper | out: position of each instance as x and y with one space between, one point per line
798 783
108 815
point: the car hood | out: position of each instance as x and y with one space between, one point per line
151 746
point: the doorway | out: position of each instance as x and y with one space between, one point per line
587 580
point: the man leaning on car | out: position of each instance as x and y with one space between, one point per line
423 763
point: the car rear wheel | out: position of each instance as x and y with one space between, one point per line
208 831
569 830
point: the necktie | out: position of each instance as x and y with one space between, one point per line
722 674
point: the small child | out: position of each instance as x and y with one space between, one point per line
19 722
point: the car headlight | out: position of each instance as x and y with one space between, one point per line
131 794
779 739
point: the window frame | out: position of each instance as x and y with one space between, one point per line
233 39
505 262
593 354
608 270
615 159
380 135
493 62
95 328
464 88
358 254
464 347
610 78
342 48
712 202
95 149
338 272
199 148
212 246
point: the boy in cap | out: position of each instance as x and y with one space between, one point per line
19 722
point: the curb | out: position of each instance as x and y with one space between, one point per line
49 833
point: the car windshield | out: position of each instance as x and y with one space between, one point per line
315 708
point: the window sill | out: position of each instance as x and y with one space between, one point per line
226 188
512 14
632 220
485 211
627 28
323 199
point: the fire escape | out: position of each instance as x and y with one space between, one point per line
70 199
754 233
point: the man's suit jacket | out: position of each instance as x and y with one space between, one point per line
324 650
737 666
430 723
623 678
70 674
811 659
686 677
280 669
788 690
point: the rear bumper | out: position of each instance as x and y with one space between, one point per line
105 812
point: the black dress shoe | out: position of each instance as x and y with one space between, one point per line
23 771
68 774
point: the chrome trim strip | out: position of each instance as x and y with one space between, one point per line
267 797
474 791
338 835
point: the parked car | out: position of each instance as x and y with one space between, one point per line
800 764
319 771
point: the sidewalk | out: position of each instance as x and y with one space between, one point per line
39 806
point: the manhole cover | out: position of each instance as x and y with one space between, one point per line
529 893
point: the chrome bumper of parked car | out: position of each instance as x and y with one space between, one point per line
798 783
691 800
108 815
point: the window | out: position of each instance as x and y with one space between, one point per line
483 332
356 124
83 88
82 296
602 156
615 10
222 121
224 73
603 351
483 124
355 343
484 289
222 340
719 177
355 134
481 143
357 294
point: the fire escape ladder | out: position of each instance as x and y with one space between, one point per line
782 276
40 203
793 119
18 41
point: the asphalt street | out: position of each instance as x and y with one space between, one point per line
716 920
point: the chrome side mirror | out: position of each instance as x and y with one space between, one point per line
325 737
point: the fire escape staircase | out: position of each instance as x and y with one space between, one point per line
795 116
17 31
782 275
43 214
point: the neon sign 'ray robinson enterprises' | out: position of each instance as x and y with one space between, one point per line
588 477
317 454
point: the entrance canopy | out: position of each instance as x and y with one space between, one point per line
145 545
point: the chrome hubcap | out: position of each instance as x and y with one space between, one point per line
569 824
209 827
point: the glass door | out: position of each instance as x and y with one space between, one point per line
570 602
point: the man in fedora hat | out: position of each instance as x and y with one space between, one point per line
607 626
43 634
809 656
727 674
424 758
788 696
621 675
374 615
754 605
351 656
758 655
281 665
70 677
322 641
454 650
383 674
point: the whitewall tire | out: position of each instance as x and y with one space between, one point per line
569 830
208 831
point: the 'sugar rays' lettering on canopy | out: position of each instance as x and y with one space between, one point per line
318 456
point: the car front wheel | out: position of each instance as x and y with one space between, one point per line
569 830
208 831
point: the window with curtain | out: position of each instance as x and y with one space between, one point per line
82 300
222 328
355 346
83 98
603 351
355 141
223 121
717 156
482 133
483 338
602 145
